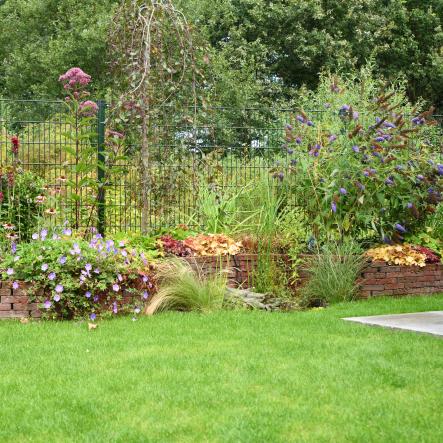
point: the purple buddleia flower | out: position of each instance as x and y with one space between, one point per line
400 228
51 276
15 285
343 191
333 207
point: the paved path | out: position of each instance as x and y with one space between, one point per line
428 322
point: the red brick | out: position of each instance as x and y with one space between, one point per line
373 287
21 307
5 306
15 299
383 292
13 314
394 286
4 291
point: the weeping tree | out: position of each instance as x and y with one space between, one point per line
155 64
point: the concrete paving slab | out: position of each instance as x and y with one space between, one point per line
430 322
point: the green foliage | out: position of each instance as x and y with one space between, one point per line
41 38
367 165
183 289
333 274
77 278
18 206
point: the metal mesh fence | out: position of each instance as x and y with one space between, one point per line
225 148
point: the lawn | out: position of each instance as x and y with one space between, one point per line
229 376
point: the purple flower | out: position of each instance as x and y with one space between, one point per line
360 186
333 207
389 182
409 205
124 252
43 234
300 118
47 304
400 228
345 108
13 248
122 244
355 115
440 169
10 271
87 294
293 162
332 138
55 237
95 298
114 308
298 140
119 277
59 288
343 191
88 267
15 285
62 260
310 123
290 152
35 236
145 279
44 267
355 148
420 177
67 232
93 316
137 310
52 276
379 139
145 295
116 287
96 271
56 297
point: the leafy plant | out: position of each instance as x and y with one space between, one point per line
405 255
172 246
431 256
333 274
76 278
184 289
212 244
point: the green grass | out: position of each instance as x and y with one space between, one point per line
227 377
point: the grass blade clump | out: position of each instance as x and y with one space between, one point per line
181 288
334 271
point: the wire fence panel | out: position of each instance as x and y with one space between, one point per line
222 148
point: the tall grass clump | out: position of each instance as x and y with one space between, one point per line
181 288
334 271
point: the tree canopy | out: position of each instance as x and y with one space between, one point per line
270 47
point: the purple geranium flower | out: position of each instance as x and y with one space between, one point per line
10 271
298 140
43 234
114 308
62 260
52 276
13 248
137 310
300 118
15 285
35 236
93 316
88 267
44 267
47 304
145 295
57 297
355 148
409 205
88 294
310 123
389 182
116 287
343 191
120 278
59 288
67 232
333 207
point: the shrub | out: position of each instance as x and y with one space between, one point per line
76 278
405 255
183 289
366 165
334 271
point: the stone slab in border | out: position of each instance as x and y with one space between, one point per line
430 322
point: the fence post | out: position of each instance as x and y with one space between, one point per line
101 117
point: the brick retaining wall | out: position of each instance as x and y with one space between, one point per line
378 278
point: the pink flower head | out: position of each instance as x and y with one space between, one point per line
15 285
74 78
47 304
88 108
116 287
15 144
10 271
